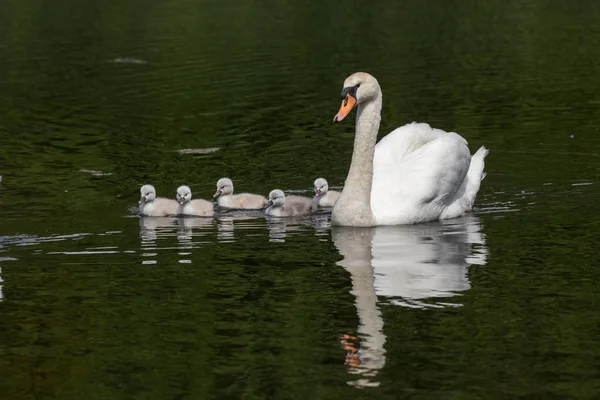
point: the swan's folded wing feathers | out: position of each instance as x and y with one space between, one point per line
406 139
432 166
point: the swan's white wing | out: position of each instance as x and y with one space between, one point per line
416 171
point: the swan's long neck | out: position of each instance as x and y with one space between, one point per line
354 206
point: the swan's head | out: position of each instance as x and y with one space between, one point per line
184 194
276 198
320 186
148 193
224 187
358 88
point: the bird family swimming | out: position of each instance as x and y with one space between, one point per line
278 204
414 174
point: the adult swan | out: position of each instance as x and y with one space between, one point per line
414 174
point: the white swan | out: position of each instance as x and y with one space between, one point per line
152 206
414 174
226 198
323 196
281 205
187 206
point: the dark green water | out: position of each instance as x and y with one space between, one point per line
99 97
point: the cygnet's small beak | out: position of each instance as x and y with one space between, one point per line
180 200
347 104
318 192
217 193
142 199
269 203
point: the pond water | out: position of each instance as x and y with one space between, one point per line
98 98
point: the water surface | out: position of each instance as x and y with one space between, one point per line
98 98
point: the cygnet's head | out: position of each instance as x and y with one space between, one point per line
359 87
184 194
320 186
224 187
148 193
276 198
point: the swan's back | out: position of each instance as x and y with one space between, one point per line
418 172
159 207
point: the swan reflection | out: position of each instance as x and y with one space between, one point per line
417 266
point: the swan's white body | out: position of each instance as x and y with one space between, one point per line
414 174
423 174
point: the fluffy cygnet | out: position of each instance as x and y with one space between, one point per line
226 198
323 196
187 206
152 206
281 205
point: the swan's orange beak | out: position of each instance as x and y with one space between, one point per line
345 108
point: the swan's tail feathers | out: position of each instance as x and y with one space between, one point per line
471 185
476 174
481 153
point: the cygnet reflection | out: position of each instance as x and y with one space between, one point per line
227 221
151 227
281 228
191 226
412 266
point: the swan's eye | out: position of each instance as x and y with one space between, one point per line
350 91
